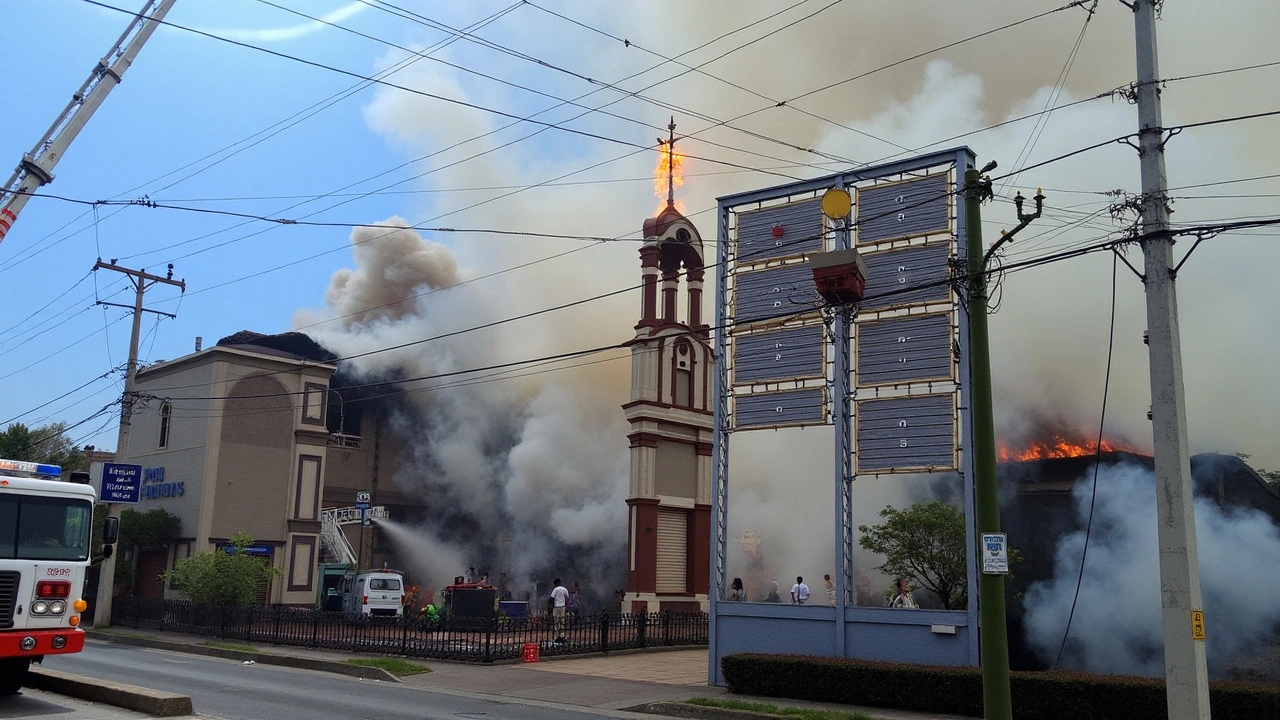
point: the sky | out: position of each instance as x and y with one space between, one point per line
208 125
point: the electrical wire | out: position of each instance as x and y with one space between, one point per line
1097 459
1043 120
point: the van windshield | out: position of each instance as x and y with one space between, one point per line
384 584
33 527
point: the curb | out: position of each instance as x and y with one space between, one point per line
698 712
264 658
129 697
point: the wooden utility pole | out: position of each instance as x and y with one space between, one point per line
141 281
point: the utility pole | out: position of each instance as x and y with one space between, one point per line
1186 676
993 634
141 281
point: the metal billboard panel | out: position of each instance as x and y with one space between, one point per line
802 228
904 209
905 434
909 275
780 409
792 353
907 349
773 293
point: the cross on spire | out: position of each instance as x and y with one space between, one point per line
670 145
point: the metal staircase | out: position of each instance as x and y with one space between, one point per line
332 536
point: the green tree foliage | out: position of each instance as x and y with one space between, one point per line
223 578
925 544
153 528
48 444
1272 477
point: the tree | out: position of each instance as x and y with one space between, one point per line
1272 477
926 544
155 527
223 578
48 444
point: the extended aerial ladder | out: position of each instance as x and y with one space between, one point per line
36 168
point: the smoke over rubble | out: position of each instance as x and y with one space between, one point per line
1117 625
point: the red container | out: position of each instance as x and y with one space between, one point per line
531 652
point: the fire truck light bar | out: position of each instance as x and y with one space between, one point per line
30 468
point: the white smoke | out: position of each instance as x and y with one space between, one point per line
550 450
540 463
1117 623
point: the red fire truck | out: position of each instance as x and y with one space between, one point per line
46 529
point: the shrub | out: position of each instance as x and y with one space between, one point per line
958 690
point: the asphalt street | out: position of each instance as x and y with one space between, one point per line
235 691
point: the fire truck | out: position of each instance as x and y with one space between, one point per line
46 535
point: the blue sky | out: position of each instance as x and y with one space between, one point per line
188 96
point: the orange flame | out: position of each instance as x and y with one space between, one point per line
676 169
1057 446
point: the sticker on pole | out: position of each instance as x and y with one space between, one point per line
1197 625
995 554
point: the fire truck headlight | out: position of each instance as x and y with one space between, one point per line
39 607
57 607
28 643
59 642
80 606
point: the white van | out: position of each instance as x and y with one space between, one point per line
379 594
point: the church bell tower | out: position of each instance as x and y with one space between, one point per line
670 414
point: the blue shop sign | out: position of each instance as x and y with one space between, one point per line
154 485
256 550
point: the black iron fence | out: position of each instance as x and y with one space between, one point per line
449 638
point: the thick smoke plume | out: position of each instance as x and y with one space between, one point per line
1117 623
547 455
520 475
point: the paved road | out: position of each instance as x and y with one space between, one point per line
40 704
231 690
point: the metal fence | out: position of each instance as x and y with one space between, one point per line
453 638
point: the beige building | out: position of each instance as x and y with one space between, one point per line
234 439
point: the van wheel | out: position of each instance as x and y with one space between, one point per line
13 673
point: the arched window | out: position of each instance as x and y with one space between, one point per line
682 392
166 410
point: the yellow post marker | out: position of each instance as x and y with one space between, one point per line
1197 625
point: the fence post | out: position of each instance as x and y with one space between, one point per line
315 628
642 628
355 636
222 626
488 641
137 611
666 626
276 631
604 631
404 633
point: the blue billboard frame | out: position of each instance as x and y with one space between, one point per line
937 637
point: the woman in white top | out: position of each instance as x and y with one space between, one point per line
903 597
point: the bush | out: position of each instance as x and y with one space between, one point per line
223 578
958 690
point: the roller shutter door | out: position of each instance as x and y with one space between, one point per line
672 550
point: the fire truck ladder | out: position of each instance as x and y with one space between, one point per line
331 534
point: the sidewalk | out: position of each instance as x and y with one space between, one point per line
606 682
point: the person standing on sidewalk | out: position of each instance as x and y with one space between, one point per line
799 592
830 585
559 599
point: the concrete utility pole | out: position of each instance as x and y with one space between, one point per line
1186 676
141 281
